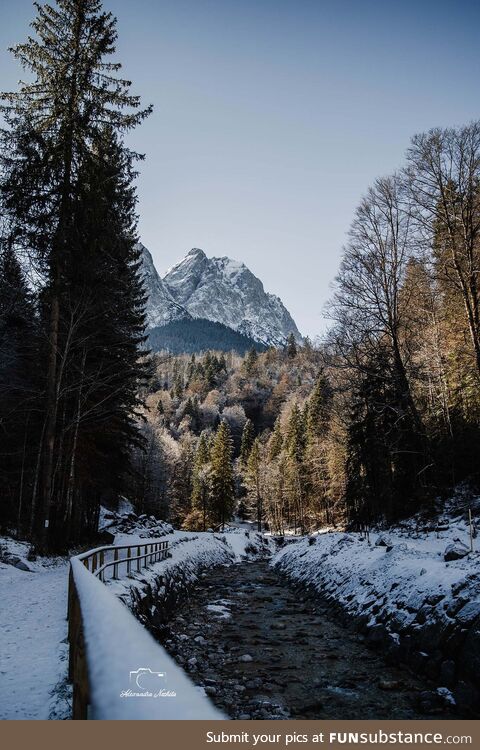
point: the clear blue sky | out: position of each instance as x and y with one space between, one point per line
272 117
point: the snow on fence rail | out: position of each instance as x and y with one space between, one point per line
97 561
117 669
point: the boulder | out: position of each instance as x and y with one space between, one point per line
455 551
22 566
468 613
105 537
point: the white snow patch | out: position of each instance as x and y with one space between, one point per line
220 608
33 629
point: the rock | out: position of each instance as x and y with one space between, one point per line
434 599
376 634
382 541
345 539
430 701
447 672
418 660
253 684
244 717
466 696
210 690
390 685
447 697
470 652
422 614
423 572
455 551
468 613
392 648
400 620
200 640
22 566
245 658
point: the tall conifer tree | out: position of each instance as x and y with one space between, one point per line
55 124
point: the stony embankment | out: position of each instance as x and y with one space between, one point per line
406 596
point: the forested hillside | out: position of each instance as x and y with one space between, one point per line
382 419
198 335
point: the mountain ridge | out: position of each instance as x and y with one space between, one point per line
218 289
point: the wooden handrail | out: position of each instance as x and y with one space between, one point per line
94 561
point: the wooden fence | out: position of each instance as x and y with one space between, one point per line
105 563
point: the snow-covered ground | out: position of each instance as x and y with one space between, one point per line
33 626
33 629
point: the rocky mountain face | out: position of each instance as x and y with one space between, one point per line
220 290
161 307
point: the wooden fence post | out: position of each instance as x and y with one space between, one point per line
115 567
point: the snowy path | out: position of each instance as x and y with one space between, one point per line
33 656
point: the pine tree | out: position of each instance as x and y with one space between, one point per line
222 489
296 481
201 479
295 438
106 362
291 347
55 124
248 437
319 405
250 362
254 479
275 443
18 389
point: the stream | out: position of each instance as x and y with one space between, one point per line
262 650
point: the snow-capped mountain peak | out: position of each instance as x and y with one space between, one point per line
161 307
221 290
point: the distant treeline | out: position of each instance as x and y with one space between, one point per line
199 335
